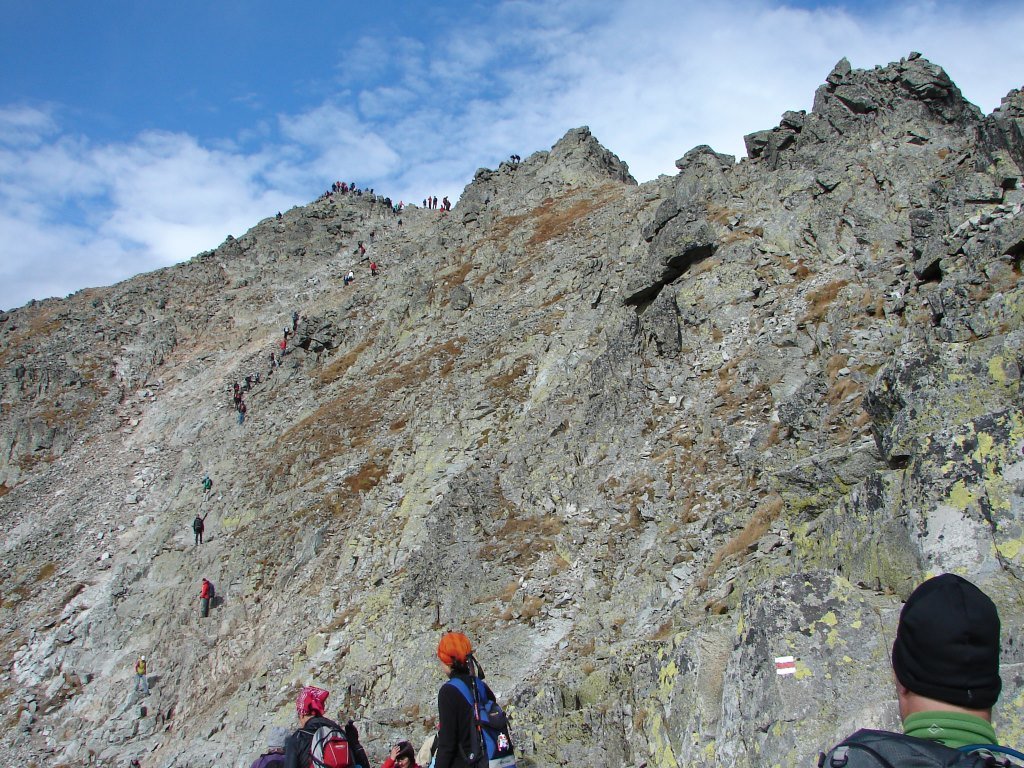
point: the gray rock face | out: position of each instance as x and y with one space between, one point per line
637 441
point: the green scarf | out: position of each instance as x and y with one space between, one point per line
954 729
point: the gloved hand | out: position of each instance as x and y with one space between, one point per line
351 732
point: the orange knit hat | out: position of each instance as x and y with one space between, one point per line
454 646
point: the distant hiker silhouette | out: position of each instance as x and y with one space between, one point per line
198 526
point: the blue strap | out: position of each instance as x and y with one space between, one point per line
461 687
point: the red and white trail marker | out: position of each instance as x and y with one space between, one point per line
785 665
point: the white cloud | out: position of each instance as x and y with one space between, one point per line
412 117
20 124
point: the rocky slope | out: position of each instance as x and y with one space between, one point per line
635 440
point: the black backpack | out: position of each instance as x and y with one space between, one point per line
884 749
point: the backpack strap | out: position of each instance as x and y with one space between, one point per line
993 748
840 756
471 695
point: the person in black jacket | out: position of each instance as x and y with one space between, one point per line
198 526
458 742
310 709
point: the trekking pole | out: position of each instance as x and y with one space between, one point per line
476 705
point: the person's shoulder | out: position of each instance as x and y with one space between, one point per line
869 748
451 690
315 723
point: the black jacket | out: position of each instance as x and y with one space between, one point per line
457 735
296 746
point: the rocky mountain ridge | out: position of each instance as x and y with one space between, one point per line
636 440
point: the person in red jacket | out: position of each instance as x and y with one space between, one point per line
402 756
205 596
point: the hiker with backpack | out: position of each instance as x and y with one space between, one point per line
945 661
274 756
473 730
198 526
141 681
206 595
319 741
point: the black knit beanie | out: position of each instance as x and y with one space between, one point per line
947 643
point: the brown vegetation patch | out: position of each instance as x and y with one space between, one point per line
336 369
368 476
344 503
457 276
555 218
835 364
818 301
843 389
747 538
503 227
437 361
505 381
528 535
338 426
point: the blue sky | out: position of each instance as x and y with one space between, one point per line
135 134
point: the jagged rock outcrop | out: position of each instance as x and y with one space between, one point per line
636 440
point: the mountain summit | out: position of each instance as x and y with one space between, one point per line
637 441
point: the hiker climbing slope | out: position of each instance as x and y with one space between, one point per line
206 595
198 526
141 681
